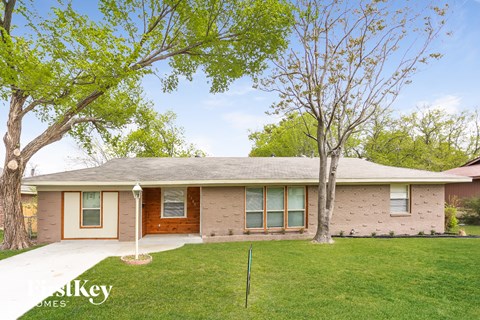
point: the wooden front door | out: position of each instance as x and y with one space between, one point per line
152 213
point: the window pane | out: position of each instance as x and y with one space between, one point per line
255 219
275 199
91 217
173 209
91 200
296 219
174 195
398 191
254 199
274 219
296 198
399 205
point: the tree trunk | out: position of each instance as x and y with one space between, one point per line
323 230
15 234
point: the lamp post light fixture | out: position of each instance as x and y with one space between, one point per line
137 194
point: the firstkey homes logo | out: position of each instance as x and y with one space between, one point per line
95 294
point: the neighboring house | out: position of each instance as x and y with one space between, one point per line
29 207
220 198
466 189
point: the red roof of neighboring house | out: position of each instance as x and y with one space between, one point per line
469 171
472 162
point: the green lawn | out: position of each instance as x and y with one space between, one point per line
8 253
352 279
470 230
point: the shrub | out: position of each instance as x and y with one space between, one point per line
341 234
391 233
472 216
230 232
302 230
374 234
451 221
433 232
247 232
212 234
421 233
283 231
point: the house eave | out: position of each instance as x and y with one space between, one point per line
440 180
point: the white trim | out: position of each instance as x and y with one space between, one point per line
162 192
239 182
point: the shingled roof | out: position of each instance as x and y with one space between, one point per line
233 171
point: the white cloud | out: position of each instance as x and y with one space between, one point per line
244 121
449 103
216 102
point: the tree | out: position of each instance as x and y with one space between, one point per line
155 135
294 136
429 139
289 138
349 62
77 74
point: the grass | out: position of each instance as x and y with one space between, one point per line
354 278
9 253
471 230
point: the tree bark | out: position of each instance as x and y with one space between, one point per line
324 214
15 234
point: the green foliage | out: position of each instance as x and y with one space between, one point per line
451 221
155 135
391 233
293 136
429 139
69 67
472 216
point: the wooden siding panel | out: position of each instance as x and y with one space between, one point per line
462 190
154 224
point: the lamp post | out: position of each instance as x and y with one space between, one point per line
137 193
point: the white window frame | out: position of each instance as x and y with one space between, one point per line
255 211
304 207
84 208
266 207
409 209
162 213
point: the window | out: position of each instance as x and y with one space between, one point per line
275 207
268 204
254 212
174 203
296 207
91 212
399 198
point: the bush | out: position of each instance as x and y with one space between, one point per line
451 221
472 216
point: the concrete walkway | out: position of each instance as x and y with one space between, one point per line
28 278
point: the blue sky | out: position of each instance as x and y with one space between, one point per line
219 124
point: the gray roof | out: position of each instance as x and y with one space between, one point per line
231 171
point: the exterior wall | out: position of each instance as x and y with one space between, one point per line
126 216
223 209
72 216
155 224
462 190
49 216
366 209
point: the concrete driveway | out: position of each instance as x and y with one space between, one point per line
28 278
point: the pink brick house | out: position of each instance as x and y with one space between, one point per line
224 199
